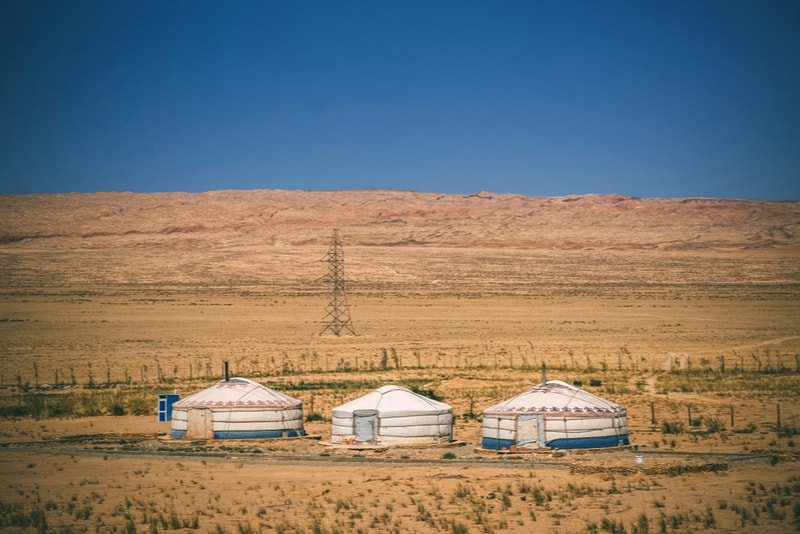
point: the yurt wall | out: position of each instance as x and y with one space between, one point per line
237 409
554 415
392 415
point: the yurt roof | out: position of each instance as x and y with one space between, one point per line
394 400
557 398
239 393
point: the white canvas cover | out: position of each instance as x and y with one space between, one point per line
392 415
239 408
555 415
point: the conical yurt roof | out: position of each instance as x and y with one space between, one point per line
393 400
556 398
239 393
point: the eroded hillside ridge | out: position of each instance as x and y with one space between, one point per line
388 217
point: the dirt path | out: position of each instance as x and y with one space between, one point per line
692 398
776 341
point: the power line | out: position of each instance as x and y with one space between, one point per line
337 312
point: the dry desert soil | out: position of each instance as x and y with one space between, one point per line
686 311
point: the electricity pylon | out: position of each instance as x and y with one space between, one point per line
337 312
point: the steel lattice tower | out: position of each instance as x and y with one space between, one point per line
337 312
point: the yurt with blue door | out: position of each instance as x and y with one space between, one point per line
237 408
392 415
554 415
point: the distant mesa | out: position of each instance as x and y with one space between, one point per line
396 218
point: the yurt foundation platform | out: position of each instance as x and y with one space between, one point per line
250 441
552 452
383 446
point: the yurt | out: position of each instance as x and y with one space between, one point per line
237 408
554 415
392 415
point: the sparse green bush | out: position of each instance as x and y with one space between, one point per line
141 405
455 527
76 404
713 424
612 526
672 427
463 491
642 526
431 394
18 515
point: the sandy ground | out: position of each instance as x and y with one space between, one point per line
131 481
473 350
686 310
104 493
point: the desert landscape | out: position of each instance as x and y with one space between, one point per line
685 311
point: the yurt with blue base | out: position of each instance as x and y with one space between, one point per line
554 415
392 415
237 408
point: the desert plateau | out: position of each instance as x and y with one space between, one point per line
684 311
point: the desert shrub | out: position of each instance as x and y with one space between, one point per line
611 525
310 418
141 405
84 404
344 504
642 526
741 383
37 406
423 514
463 491
41 406
17 515
337 385
13 411
449 455
455 527
431 394
713 424
117 406
672 427
63 405
90 405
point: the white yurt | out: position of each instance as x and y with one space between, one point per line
554 415
237 408
392 415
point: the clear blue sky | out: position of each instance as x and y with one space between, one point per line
539 97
